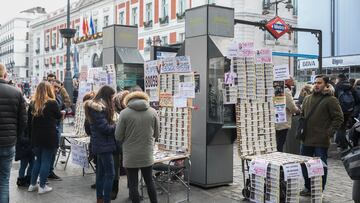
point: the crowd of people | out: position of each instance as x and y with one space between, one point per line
32 132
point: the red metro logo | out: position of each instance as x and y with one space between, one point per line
277 27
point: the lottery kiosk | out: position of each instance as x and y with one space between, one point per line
208 29
120 48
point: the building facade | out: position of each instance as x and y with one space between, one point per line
160 22
14 44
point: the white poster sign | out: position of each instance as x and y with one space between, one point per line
292 171
79 155
180 102
281 72
246 49
258 167
280 113
314 168
263 56
187 89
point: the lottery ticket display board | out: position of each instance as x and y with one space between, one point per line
170 84
256 87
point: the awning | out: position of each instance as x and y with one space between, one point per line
129 56
222 43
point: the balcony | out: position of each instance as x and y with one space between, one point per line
47 49
148 24
46 65
180 16
37 66
6 41
53 64
164 20
53 47
37 51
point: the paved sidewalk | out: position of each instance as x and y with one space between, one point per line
76 188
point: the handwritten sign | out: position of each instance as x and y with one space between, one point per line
314 168
166 99
230 78
168 65
232 50
183 64
151 68
79 154
281 72
258 167
83 73
246 49
263 56
292 171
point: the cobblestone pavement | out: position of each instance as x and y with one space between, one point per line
76 188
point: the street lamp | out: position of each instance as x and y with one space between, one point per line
68 33
269 4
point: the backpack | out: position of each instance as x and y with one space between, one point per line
346 100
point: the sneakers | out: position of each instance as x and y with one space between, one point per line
45 189
53 176
305 192
33 188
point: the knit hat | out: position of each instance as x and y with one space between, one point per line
119 100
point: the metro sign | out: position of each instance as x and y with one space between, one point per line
277 27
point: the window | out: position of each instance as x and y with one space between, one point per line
106 21
266 3
38 43
296 38
164 8
181 37
27 47
53 43
148 12
182 6
47 41
95 25
77 31
134 16
164 40
121 18
27 61
27 35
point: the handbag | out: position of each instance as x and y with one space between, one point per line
351 161
301 130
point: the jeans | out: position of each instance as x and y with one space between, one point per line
6 156
104 175
133 182
27 162
42 165
314 152
280 139
58 136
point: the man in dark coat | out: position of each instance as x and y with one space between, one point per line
12 124
343 92
326 118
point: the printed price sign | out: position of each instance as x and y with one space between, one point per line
315 168
292 171
166 99
258 167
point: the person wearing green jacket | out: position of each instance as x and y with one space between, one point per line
137 129
321 125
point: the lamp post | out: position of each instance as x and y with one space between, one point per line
68 33
269 4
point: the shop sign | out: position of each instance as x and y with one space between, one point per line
308 64
341 61
277 27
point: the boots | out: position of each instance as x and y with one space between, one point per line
115 189
22 182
